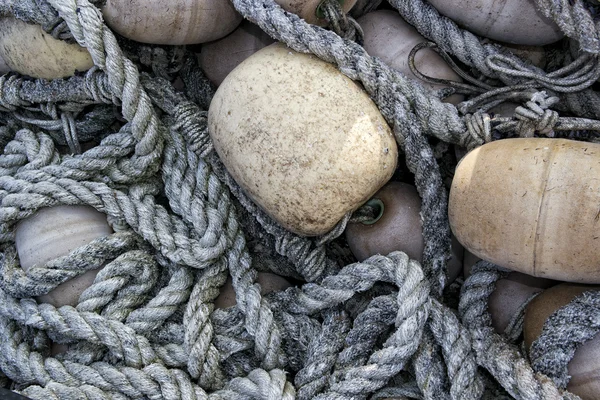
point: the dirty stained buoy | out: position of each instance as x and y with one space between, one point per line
27 49
305 142
531 205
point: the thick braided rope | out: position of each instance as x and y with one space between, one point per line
164 304
369 326
575 20
41 279
85 22
68 323
429 369
24 366
160 229
470 50
406 103
189 119
260 384
121 286
106 158
268 340
72 380
203 362
322 354
252 321
377 318
455 341
563 331
383 364
447 35
501 359
259 318
183 397
164 231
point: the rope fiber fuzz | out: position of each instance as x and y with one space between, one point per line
148 326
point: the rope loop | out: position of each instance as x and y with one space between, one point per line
341 23
152 324
479 129
580 74
536 117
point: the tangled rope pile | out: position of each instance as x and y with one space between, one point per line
148 327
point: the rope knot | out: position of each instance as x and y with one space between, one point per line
342 24
479 130
10 86
194 127
536 116
98 88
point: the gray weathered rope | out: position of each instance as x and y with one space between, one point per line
494 353
471 51
563 331
40 279
429 370
455 341
147 326
234 262
344 25
322 355
575 20
85 22
379 79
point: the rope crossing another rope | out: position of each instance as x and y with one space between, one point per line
148 327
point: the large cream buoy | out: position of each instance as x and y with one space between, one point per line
310 11
397 227
219 58
175 22
584 367
268 283
303 140
390 38
55 232
531 205
510 21
28 50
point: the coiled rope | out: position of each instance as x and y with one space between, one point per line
148 328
